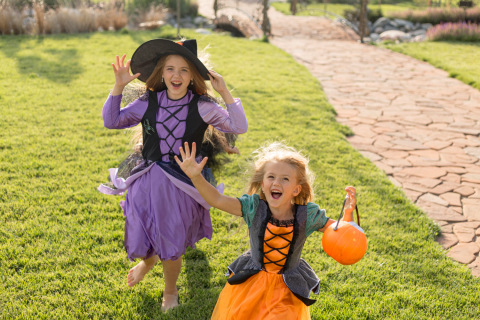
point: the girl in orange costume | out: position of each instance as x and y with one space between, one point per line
270 281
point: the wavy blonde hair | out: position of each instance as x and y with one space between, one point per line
280 152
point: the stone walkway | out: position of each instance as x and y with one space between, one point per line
410 119
312 28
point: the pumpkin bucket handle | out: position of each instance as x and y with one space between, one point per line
341 215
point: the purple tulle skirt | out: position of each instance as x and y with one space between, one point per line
164 212
161 219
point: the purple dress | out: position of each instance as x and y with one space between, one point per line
163 214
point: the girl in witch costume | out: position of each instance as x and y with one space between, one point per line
270 281
164 211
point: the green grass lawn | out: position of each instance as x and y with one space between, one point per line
61 241
338 8
459 59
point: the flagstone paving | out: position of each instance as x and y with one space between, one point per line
414 122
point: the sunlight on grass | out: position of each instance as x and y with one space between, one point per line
457 58
61 241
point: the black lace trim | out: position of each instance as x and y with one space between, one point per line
282 223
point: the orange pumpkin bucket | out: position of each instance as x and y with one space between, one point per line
345 241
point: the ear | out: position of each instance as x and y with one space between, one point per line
297 190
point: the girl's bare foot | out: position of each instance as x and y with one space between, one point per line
169 301
136 274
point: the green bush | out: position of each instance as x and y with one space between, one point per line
142 5
353 15
187 7
306 2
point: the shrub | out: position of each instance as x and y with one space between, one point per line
438 15
454 32
136 6
353 15
62 20
11 20
20 4
111 15
187 7
154 13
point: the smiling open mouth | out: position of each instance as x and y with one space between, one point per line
176 84
276 194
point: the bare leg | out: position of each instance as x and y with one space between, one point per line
136 274
171 270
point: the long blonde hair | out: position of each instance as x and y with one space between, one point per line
280 152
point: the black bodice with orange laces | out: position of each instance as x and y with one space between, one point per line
276 247
276 244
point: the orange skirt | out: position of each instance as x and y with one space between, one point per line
264 296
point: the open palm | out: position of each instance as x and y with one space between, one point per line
191 168
122 72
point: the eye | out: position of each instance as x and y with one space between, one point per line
286 179
270 177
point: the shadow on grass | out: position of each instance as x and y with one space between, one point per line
196 297
36 59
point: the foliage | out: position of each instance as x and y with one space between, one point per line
61 241
440 15
187 7
457 58
353 15
406 3
316 9
454 32
60 20
19 4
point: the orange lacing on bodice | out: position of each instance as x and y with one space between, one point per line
276 245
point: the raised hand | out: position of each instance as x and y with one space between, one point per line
351 199
191 168
217 82
122 72
219 85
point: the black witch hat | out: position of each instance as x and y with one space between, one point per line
145 58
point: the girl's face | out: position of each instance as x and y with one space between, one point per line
280 184
177 76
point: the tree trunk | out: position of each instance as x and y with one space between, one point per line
293 7
178 19
265 22
363 19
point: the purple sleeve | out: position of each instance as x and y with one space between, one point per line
116 118
232 120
